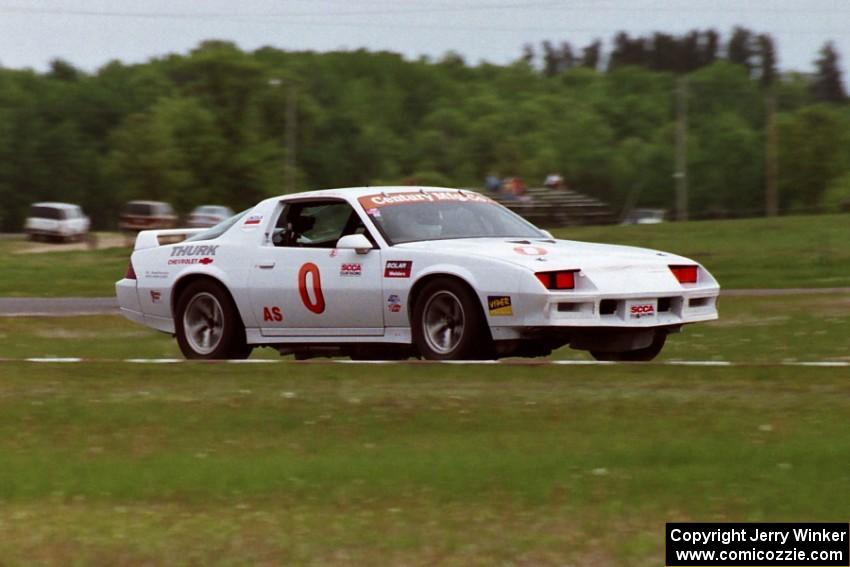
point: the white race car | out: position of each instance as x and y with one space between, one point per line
395 272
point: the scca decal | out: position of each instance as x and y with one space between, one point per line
644 310
499 305
350 270
398 269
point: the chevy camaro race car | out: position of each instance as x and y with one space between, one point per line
394 272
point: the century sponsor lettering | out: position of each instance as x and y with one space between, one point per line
385 199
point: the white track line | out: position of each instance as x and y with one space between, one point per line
529 362
699 363
826 363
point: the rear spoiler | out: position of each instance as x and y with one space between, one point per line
154 238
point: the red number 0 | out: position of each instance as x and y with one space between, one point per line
318 306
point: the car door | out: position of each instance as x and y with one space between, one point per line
302 285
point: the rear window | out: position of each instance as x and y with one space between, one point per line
218 229
47 213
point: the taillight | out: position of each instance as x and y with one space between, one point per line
565 279
685 274
131 273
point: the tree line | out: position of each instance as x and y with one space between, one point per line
209 126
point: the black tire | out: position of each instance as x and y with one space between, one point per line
639 355
468 333
209 307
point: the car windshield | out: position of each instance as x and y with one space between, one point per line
41 212
439 215
217 230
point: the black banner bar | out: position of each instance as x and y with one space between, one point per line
758 544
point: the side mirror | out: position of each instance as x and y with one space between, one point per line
357 242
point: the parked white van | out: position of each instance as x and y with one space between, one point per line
61 221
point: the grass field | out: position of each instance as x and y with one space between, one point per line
59 274
750 329
112 463
802 251
751 253
122 464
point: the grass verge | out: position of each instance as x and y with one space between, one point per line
416 465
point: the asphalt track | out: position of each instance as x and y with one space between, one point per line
57 307
69 306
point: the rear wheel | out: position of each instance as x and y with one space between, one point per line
639 355
448 323
208 324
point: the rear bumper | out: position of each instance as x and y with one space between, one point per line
128 300
49 232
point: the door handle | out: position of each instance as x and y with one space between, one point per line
266 265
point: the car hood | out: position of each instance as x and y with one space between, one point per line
607 267
544 254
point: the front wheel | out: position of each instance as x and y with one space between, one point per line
448 323
208 325
640 355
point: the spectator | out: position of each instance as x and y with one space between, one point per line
492 183
554 181
518 189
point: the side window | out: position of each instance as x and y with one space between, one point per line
316 224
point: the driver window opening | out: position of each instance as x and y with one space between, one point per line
316 225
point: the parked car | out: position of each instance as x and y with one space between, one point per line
147 215
60 221
208 215
645 216
392 272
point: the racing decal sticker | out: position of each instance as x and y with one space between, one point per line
350 270
201 250
187 255
641 310
189 261
316 305
499 305
531 250
272 313
394 304
156 275
332 253
373 202
155 296
398 268
252 221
